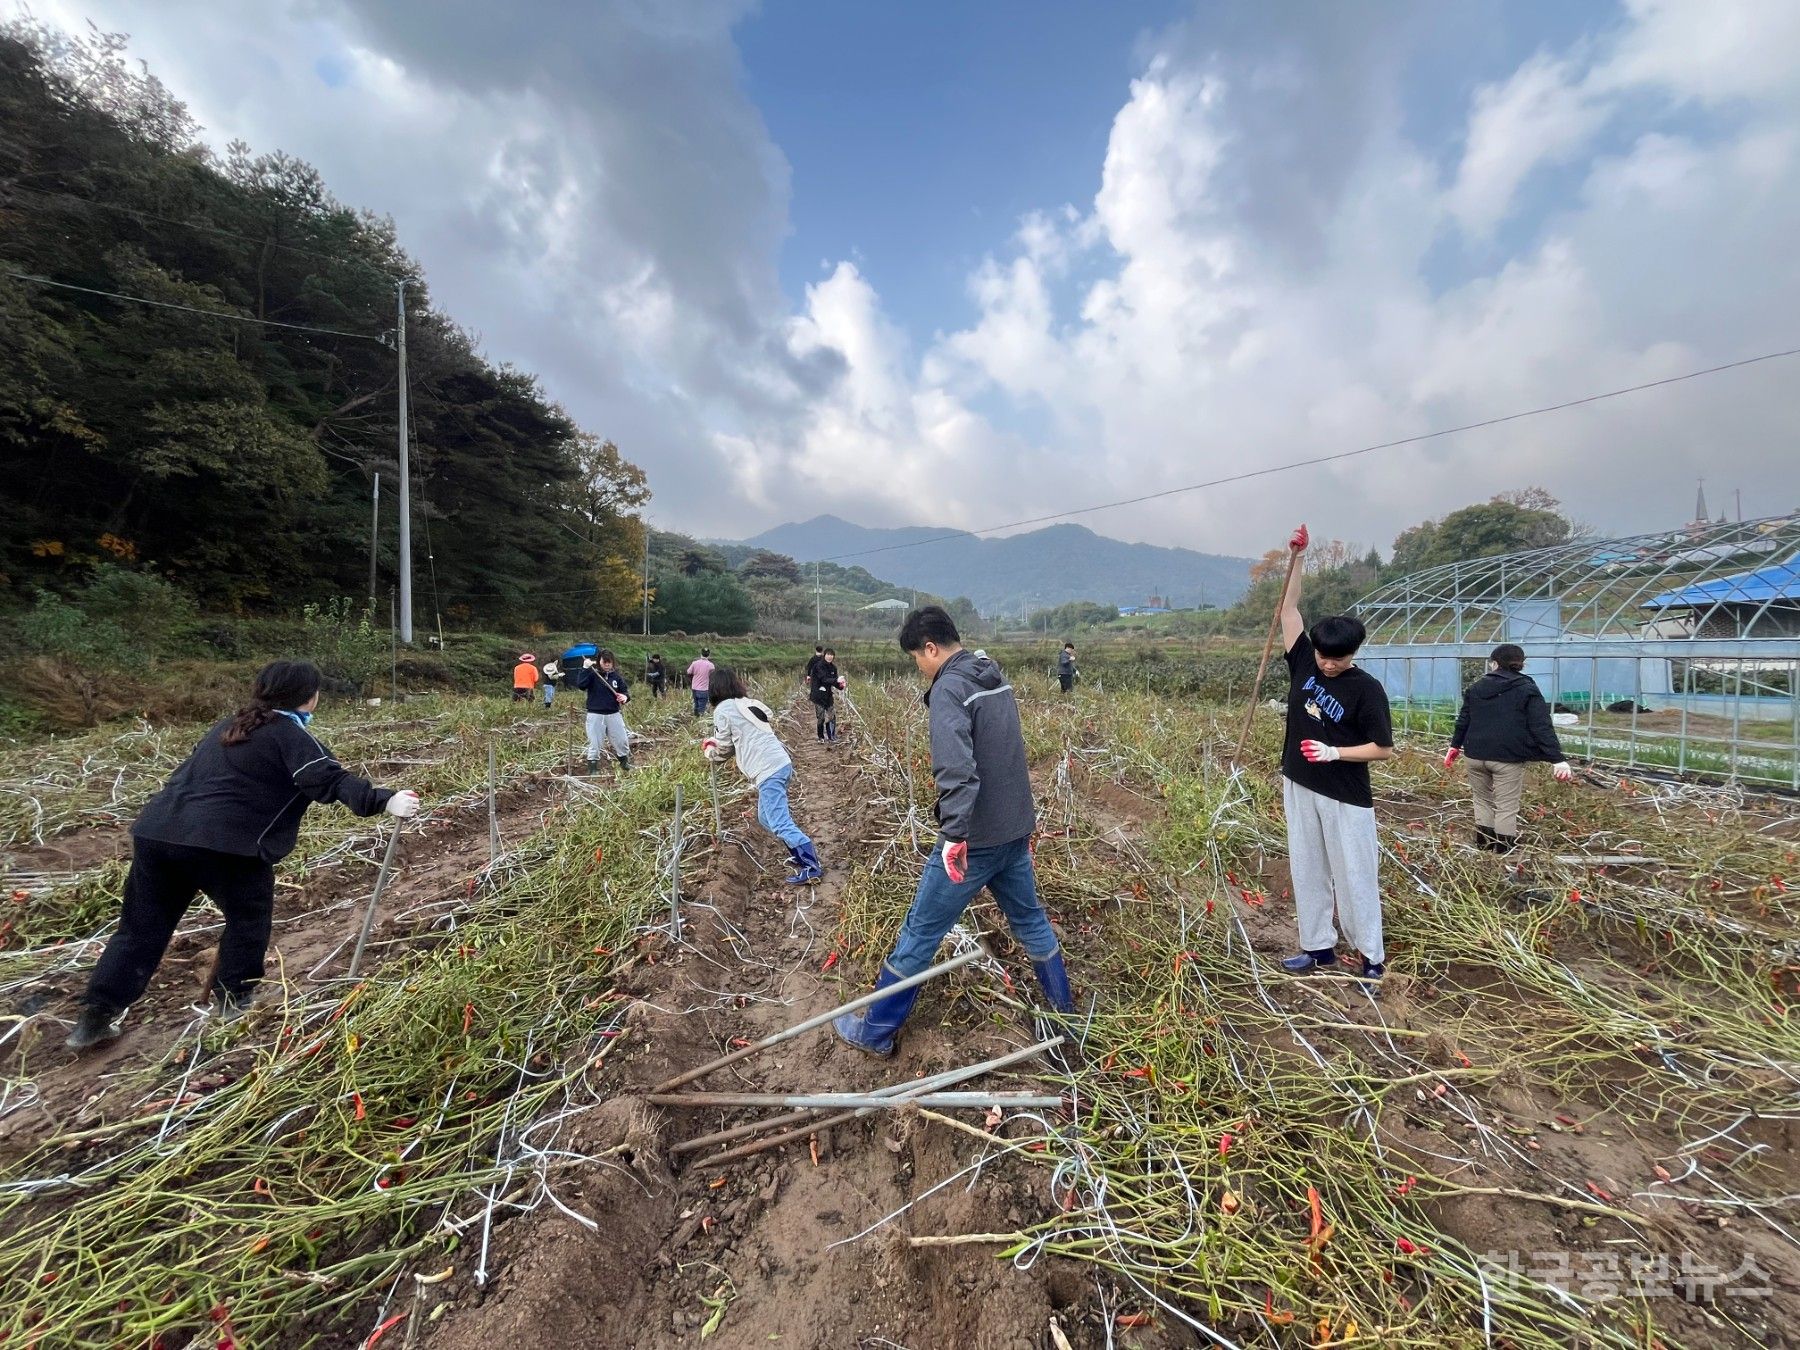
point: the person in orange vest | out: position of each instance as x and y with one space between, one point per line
525 677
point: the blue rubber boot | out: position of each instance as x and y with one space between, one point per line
1053 975
876 1027
806 860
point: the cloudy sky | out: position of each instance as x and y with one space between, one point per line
942 263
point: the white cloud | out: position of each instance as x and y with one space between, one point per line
1539 115
1272 264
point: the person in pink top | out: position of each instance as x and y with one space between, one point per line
700 680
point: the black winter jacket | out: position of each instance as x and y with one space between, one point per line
1504 717
248 799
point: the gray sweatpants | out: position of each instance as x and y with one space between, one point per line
609 727
1335 861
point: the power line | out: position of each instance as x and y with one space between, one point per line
191 309
1322 459
204 227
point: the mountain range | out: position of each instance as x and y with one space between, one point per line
1038 569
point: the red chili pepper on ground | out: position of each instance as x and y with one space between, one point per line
830 961
1406 1186
468 1017
1224 1144
356 1097
383 1329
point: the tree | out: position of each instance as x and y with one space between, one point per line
236 458
694 561
766 566
712 602
1480 531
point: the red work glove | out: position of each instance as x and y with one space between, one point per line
1317 752
956 860
1562 771
1298 540
1451 755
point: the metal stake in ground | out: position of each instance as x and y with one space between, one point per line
675 874
1262 667
718 827
493 808
387 866
800 1028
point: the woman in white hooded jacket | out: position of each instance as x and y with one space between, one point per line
744 730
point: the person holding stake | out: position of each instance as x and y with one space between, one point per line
1337 725
744 729
987 815
607 695
227 815
1503 726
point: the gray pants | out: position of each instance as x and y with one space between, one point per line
1497 786
1335 861
610 728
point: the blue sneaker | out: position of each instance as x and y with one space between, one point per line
1309 960
1372 972
875 1029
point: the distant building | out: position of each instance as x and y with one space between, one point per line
887 606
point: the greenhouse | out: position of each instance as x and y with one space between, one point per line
1678 650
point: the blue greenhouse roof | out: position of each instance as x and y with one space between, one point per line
1780 581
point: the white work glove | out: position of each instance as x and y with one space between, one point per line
587 663
1317 752
841 683
1562 771
403 805
713 750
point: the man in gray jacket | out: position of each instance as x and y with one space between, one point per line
986 815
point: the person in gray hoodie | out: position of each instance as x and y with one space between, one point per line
1503 726
986 816
1065 667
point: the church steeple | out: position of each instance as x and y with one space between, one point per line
1700 503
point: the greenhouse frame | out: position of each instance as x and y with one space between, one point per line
1675 651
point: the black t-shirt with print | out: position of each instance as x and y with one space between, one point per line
1347 709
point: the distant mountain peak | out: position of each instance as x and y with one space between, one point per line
1036 568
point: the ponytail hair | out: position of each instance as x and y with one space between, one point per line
281 686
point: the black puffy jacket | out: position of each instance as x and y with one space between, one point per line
248 799
1504 717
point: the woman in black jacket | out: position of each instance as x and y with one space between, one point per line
226 816
1503 726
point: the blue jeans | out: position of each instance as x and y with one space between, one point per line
549 694
700 697
1006 871
772 809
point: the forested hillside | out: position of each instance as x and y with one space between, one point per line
223 426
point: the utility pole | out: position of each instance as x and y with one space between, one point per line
818 610
406 596
374 535
646 578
